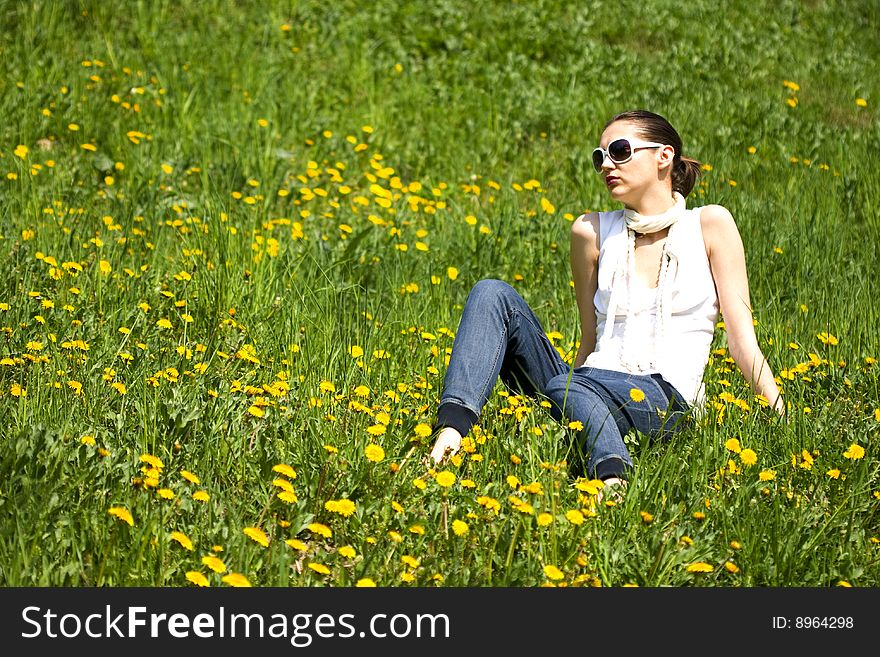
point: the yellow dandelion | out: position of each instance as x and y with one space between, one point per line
154 461
647 518
201 496
445 478
459 527
122 513
636 395
748 456
321 530
297 544
286 470
256 534
575 517
320 568
422 430
214 563
553 573
854 452
237 580
544 519
165 493
733 445
343 507
183 539
256 411
197 578
731 567
190 477
365 582
700 567
374 453
767 475
347 551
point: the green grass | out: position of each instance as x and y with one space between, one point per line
197 116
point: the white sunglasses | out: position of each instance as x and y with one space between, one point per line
620 151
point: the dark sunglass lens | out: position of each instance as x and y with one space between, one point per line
619 150
598 158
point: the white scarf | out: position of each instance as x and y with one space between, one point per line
652 223
637 223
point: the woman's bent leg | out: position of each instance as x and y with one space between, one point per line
600 440
604 401
498 335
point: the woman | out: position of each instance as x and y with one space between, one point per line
649 280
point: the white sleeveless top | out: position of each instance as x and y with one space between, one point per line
691 305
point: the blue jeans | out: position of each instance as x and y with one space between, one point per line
499 335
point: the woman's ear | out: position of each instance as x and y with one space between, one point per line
665 156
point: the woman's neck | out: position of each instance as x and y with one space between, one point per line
653 202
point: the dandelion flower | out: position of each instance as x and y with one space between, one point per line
183 539
647 518
122 513
748 457
297 544
731 567
343 507
256 534
700 567
321 530
190 477
286 470
459 527
320 568
636 395
544 519
575 517
197 578
423 430
347 551
445 478
201 496
733 445
237 580
365 582
553 573
214 563
767 475
854 452
374 453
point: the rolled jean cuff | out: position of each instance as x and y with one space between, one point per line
455 416
611 467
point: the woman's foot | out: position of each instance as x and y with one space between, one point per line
612 492
447 444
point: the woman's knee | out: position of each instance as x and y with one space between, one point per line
489 290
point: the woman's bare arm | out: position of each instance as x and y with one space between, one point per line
585 273
727 261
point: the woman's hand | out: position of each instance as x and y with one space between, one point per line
448 443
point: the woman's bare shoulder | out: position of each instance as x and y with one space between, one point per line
586 227
717 225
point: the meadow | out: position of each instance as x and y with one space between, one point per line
236 238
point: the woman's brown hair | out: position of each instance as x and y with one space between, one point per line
653 127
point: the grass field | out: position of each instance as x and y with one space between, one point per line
236 239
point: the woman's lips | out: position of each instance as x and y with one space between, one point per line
611 180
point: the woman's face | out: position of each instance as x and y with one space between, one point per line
625 181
